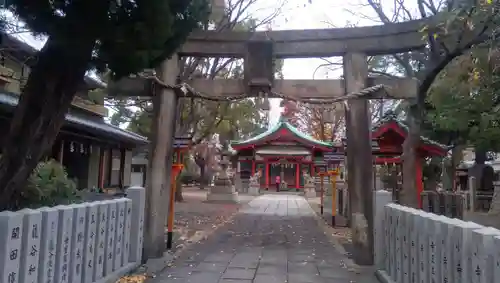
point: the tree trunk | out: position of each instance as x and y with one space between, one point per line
51 86
408 195
178 189
451 168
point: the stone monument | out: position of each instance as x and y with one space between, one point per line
223 189
254 188
309 186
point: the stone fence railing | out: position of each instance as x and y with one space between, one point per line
88 242
416 246
445 203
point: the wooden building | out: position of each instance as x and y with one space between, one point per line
388 136
282 151
95 154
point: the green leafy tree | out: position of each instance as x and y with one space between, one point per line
123 36
456 27
464 103
203 118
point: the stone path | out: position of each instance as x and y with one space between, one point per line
275 238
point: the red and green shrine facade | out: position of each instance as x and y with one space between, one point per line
389 135
282 151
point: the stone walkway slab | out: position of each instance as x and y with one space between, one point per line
274 239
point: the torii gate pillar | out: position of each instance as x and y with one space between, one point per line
160 159
360 180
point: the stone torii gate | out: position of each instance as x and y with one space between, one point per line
258 50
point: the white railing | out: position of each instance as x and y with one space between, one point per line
418 247
79 243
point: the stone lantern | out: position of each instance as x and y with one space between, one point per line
223 189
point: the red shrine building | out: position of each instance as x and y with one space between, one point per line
283 151
387 139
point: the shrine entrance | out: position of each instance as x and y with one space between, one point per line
286 168
259 50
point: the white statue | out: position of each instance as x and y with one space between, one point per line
309 187
255 179
308 180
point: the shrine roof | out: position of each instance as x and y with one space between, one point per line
391 118
77 121
275 131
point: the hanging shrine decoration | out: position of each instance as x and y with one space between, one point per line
81 148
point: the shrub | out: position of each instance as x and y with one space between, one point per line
187 177
49 185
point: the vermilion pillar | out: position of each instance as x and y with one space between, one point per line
420 180
253 167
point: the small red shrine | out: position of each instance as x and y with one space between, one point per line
282 151
388 137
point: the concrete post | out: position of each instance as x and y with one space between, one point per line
483 248
135 213
359 156
28 269
381 199
160 163
11 230
466 243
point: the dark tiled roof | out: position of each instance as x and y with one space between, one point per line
98 126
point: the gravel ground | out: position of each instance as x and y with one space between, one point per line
195 218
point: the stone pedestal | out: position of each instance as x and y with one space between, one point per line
254 190
222 191
310 192
238 185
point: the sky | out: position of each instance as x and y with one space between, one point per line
298 14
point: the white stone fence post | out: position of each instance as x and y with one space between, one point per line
79 243
414 246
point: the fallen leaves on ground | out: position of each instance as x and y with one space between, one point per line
137 278
195 218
